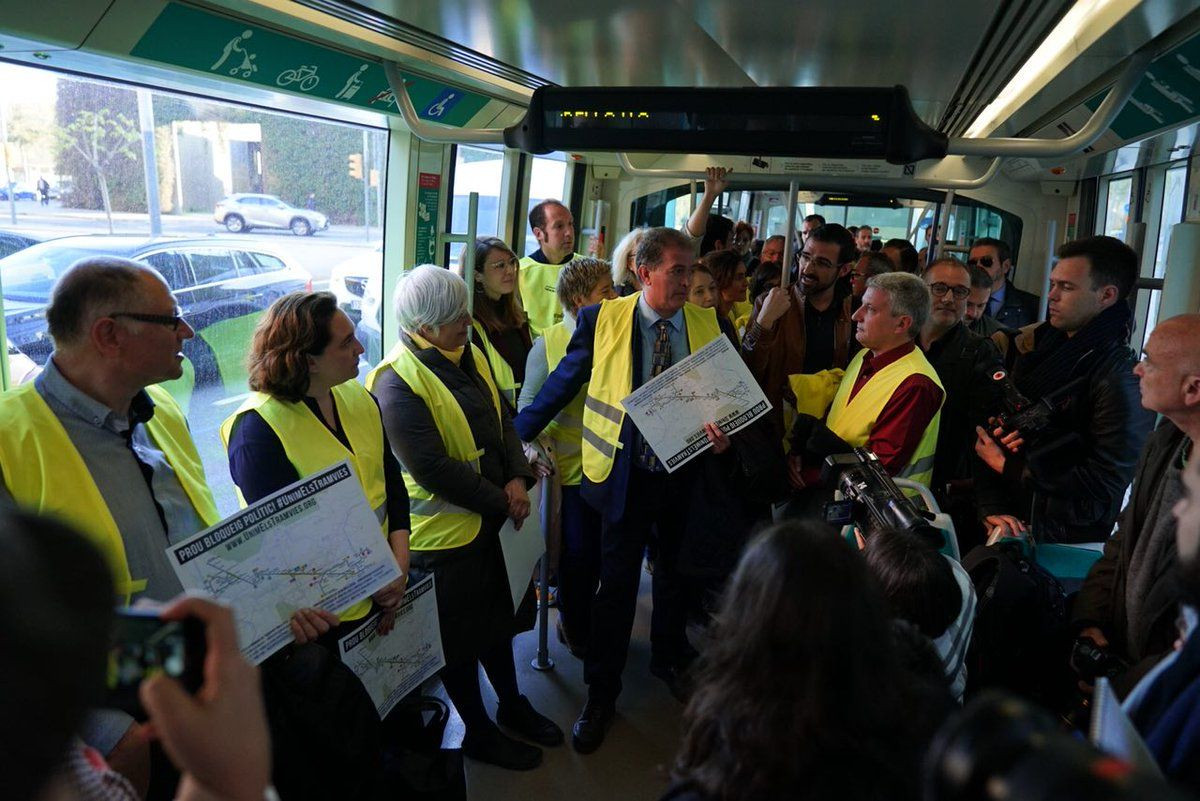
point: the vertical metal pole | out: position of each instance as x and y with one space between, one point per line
1051 241
149 164
366 181
941 230
4 369
789 243
469 254
543 661
8 187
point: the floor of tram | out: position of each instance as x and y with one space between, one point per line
636 756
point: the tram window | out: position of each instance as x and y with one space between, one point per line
276 189
1171 215
547 179
1116 207
476 169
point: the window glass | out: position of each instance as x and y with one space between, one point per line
1116 210
210 160
481 170
1171 215
547 179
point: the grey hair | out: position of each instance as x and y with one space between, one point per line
429 296
621 272
907 294
91 288
578 279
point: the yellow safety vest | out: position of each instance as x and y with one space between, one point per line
852 420
502 373
612 376
567 427
311 447
44 472
438 524
539 292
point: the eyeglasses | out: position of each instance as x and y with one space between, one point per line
824 264
939 289
982 261
511 264
172 321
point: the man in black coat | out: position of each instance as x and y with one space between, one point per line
1011 307
1128 603
1068 479
965 363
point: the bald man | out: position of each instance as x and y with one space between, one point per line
1129 601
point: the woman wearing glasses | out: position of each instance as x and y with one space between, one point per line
501 330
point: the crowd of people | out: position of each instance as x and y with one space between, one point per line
514 373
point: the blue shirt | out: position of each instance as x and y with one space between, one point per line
647 317
996 300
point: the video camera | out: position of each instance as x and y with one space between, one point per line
1092 661
999 747
872 502
1031 418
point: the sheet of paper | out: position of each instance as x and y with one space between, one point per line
391 665
1113 732
713 385
522 549
315 543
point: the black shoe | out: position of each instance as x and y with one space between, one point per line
496 748
593 723
676 678
521 717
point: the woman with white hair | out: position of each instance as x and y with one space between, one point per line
466 473
624 272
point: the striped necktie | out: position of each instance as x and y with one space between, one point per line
660 361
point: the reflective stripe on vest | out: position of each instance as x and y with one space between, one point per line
311 447
502 374
612 376
438 524
539 293
567 427
852 420
44 471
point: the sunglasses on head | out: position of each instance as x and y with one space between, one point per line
982 261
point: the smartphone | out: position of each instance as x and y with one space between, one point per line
145 645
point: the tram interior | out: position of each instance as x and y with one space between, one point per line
288 103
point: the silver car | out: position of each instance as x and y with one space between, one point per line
243 212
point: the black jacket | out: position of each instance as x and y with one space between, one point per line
1101 599
1020 308
1071 482
964 362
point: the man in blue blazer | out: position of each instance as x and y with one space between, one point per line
617 346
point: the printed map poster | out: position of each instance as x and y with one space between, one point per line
392 665
713 385
315 543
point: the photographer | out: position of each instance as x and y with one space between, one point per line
1070 481
55 621
1127 604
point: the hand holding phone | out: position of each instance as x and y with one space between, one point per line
144 645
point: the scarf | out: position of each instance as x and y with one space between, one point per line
1057 358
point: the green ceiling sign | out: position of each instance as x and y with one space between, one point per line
184 36
1167 96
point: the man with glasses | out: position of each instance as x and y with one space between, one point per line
964 362
805 328
1011 307
95 442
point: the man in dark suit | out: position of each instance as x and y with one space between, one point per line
617 346
1011 307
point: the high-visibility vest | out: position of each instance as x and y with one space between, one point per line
311 447
539 292
45 473
852 420
438 524
502 373
612 376
567 427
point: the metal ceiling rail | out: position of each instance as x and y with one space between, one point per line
1118 96
432 131
822 181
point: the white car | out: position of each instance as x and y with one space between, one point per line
243 212
348 280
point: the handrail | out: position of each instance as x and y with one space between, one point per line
1118 96
823 182
433 131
